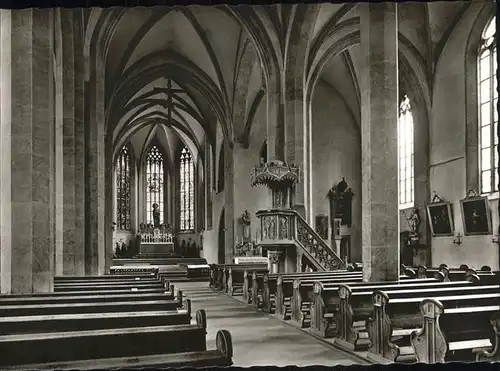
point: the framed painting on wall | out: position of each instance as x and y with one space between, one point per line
476 215
440 219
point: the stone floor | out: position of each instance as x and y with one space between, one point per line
258 338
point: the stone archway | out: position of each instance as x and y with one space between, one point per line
221 240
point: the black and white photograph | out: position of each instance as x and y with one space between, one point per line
215 184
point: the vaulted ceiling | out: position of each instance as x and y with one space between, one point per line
209 56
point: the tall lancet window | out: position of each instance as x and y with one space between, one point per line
186 190
488 115
406 155
154 183
123 189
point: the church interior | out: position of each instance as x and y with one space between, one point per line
308 184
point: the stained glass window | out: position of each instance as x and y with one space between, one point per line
123 188
488 116
154 183
186 190
406 154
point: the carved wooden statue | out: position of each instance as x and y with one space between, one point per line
156 216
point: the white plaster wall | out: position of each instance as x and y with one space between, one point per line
336 154
447 155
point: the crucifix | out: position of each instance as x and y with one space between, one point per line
170 92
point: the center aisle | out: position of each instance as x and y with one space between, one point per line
258 338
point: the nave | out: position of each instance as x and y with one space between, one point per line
258 338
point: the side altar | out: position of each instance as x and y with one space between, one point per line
156 240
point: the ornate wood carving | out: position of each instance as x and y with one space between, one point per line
492 355
429 343
380 328
344 317
340 196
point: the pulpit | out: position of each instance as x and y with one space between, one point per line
156 241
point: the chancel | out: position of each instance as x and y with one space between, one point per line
204 186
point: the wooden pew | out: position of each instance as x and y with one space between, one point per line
93 321
284 300
237 282
270 286
455 328
106 277
220 357
392 320
66 299
17 310
303 296
331 312
249 291
450 274
32 348
492 354
356 307
99 286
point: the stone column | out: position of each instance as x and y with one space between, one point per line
228 201
68 139
275 119
379 117
79 162
95 254
300 254
26 122
274 260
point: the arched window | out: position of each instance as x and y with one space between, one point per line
187 190
406 162
488 116
123 189
154 184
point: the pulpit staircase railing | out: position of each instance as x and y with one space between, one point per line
315 248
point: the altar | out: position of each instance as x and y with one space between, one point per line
156 241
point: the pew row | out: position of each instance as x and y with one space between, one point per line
338 309
270 285
303 294
393 321
458 328
93 321
106 277
17 310
50 349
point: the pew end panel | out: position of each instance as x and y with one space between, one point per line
410 273
266 295
201 318
386 344
322 322
429 342
492 354
224 344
